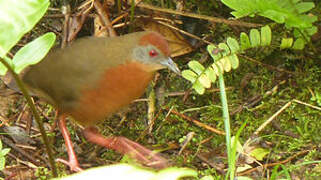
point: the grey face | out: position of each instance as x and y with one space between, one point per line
150 55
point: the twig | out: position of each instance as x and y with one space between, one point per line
184 32
105 18
306 104
200 124
19 150
189 137
274 164
256 133
66 12
198 16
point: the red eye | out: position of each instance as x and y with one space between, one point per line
153 53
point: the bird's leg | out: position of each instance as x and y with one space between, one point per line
73 162
126 146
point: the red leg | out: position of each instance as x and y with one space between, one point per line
126 146
73 162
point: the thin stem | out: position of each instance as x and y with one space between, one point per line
35 114
226 118
132 13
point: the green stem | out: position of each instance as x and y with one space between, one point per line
35 114
132 13
226 118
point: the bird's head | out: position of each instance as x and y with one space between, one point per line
153 51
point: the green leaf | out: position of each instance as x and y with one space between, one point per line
220 66
211 74
0 144
234 60
18 18
233 45
298 44
126 171
33 52
215 69
226 50
174 173
243 178
211 50
286 43
237 145
198 87
280 11
5 151
266 35
2 162
205 81
304 6
196 67
245 41
208 177
274 15
189 75
259 153
226 64
255 38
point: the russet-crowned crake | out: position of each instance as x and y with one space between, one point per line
93 78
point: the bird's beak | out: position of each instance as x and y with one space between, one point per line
169 63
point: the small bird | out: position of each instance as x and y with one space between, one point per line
93 78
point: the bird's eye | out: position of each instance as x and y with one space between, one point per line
153 53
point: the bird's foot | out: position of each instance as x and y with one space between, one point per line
128 147
73 165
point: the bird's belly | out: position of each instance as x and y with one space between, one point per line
117 88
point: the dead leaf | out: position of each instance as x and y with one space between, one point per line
177 43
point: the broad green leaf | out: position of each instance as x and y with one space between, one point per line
233 44
33 52
255 38
208 177
211 74
311 31
304 6
226 50
198 87
204 80
174 173
266 35
212 51
274 15
259 153
126 171
18 18
234 60
243 178
0 144
280 11
286 43
245 41
298 44
189 75
196 67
